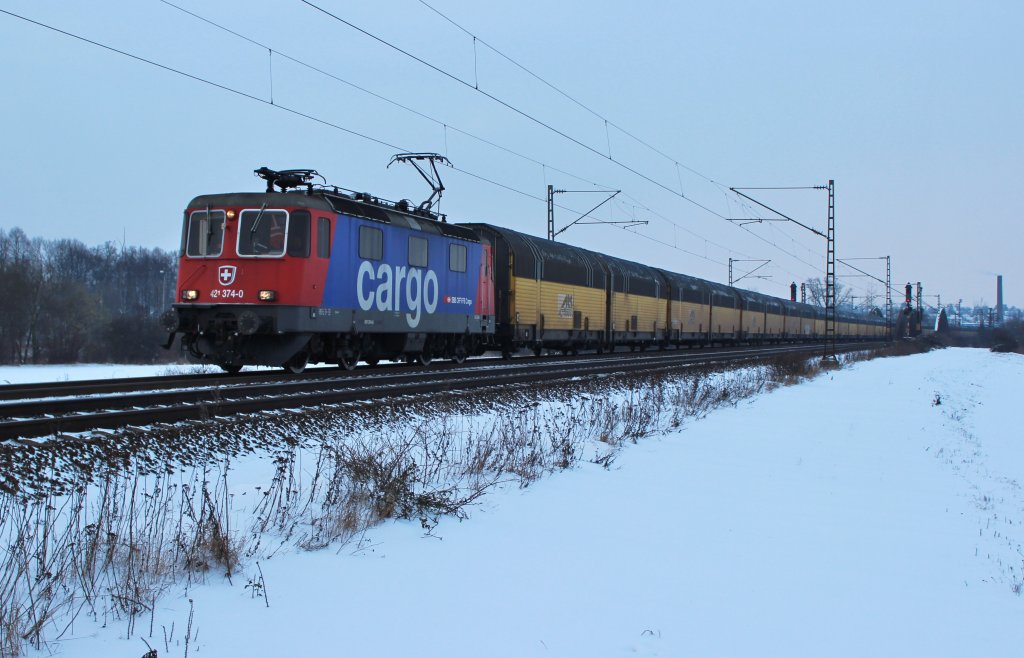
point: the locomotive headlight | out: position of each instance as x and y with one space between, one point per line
189 295
267 295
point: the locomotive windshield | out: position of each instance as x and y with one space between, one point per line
262 232
205 234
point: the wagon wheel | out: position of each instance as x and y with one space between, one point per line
348 360
297 363
424 358
230 368
371 360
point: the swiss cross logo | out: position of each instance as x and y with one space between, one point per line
226 274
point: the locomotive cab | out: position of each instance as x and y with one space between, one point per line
247 255
248 263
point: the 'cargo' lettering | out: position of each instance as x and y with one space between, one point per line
419 294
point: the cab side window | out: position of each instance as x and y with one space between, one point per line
298 234
205 234
371 243
323 237
457 257
417 251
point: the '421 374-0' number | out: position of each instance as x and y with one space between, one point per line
227 293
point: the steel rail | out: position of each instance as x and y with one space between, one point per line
158 382
203 404
89 387
93 395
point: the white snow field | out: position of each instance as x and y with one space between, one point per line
80 371
873 511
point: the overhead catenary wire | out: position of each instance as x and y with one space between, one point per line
444 124
197 78
447 126
870 276
607 122
279 106
514 109
327 123
546 125
560 91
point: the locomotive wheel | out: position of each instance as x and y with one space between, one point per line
424 358
348 360
297 363
459 354
230 368
537 350
371 360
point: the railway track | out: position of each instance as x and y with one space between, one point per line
69 407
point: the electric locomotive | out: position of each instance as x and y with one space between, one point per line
308 272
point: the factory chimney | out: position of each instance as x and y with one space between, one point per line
999 298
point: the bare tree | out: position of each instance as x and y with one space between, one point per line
816 292
870 297
64 301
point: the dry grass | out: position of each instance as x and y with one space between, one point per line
99 530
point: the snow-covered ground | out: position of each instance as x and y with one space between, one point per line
876 510
80 371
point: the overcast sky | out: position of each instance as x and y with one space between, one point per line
914 108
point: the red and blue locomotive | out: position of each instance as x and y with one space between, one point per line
312 273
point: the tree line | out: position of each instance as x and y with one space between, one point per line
64 302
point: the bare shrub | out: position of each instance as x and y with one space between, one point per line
106 550
1005 339
789 369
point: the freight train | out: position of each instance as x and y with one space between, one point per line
312 273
